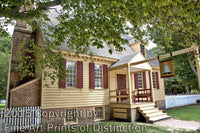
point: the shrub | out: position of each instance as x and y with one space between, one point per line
198 101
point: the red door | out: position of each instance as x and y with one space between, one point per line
121 85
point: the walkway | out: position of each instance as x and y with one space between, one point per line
174 123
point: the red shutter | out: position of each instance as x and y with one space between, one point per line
144 80
62 84
79 74
105 76
92 75
136 80
157 81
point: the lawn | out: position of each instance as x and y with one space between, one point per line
2 106
135 127
188 113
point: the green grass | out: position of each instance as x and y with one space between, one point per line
137 127
188 113
2 106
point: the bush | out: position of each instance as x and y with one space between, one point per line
198 101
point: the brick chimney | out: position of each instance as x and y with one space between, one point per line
22 34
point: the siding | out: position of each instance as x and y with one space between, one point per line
55 97
159 94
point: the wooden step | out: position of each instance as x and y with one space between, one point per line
156 115
158 118
146 104
150 110
156 112
146 108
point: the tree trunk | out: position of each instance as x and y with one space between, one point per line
187 90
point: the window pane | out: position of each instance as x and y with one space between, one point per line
140 80
98 76
154 79
71 74
70 115
99 112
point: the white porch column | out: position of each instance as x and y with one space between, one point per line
129 84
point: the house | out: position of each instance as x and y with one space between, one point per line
109 85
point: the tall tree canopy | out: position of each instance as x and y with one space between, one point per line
5 43
185 78
87 23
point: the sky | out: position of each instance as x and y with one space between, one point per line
149 46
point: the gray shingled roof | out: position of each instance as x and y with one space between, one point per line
125 60
152 63
123 57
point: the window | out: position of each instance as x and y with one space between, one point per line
98 76
140 85
99 113
71 74
142 49
154 79
70 116
117 49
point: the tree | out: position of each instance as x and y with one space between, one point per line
5 43
184 67
87 23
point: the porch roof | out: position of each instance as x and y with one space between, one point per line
131 58
124 60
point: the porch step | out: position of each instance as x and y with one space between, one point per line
159 118
155 112
149 110
147 104
152 114
156 115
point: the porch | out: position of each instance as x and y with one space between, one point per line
132 90
131 84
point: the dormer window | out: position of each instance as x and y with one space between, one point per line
117 49
142 49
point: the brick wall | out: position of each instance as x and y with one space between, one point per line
59 121
28 94
160 104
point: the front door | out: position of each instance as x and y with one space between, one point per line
121 85
121 81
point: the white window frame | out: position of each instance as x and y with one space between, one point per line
70 122
139 86
98 74
70 74
103 113
117 49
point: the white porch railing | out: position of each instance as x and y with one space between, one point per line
180 100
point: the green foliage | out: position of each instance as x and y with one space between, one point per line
2 106
85 23
173 86
184 65
5 44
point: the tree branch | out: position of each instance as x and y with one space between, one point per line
193 69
